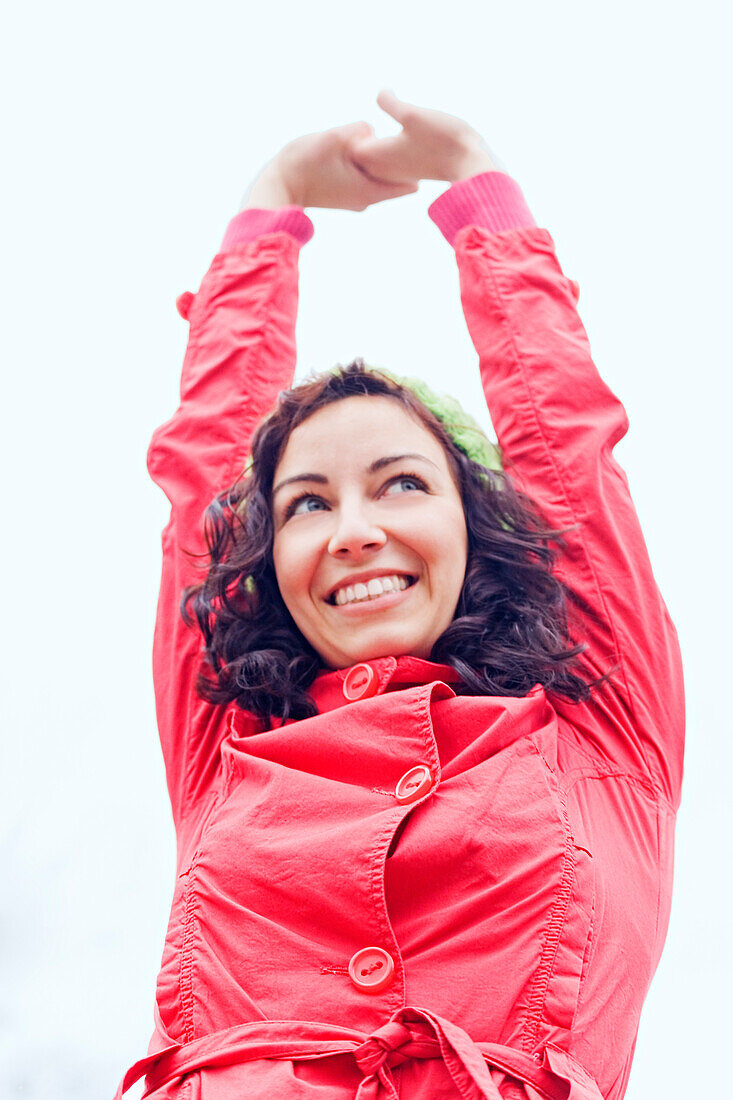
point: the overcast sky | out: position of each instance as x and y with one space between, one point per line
130 135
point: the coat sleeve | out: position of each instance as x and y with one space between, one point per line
557 423
240 354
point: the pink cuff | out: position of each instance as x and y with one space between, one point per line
252 222
491 200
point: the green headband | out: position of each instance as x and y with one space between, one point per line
460 425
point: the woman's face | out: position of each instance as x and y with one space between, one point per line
370 541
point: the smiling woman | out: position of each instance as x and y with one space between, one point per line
374 518
424 768
326 508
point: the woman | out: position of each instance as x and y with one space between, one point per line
425 784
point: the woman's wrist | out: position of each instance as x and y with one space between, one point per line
473 164
270 191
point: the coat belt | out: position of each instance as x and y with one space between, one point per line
409 1033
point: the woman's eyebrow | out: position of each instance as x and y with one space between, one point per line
321 478
380 462
376 465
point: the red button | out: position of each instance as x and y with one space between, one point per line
414 784
360 682
371 969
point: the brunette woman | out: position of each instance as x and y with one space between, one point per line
421 711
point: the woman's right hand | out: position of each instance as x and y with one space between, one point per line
432 146
318 170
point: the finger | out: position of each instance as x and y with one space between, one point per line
355 131
372 189
395 107
406 189
375 154
378 192
371 144
381 179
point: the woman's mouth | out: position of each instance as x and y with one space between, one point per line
372 589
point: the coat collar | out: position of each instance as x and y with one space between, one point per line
334 688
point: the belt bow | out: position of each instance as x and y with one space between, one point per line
414 1033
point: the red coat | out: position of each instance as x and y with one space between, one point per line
341 927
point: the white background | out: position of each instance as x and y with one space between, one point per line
130 134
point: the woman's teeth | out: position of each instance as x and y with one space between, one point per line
377 586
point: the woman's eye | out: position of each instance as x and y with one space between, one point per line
407 483
305 504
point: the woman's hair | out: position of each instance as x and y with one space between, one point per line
510 627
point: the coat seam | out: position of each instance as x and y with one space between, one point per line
553 931
186 964
634 780
429 734
190 922
379 900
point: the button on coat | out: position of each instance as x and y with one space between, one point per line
360 682
371 969
413 784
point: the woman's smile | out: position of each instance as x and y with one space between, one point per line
370 541
374 595
369 587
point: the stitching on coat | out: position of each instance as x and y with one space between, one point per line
553 932
590 949
377 877
379 901
633 780
429 733
593 759
190 920
376 883
185 980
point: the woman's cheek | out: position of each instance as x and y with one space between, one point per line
295 560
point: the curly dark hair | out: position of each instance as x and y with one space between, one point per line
510 629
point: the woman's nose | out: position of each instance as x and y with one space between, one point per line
355 535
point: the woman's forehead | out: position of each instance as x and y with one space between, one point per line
358 429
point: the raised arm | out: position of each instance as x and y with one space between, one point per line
557 423
241 353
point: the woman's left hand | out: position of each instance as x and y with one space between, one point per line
432 145
318 170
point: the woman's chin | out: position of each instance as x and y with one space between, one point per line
387 645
